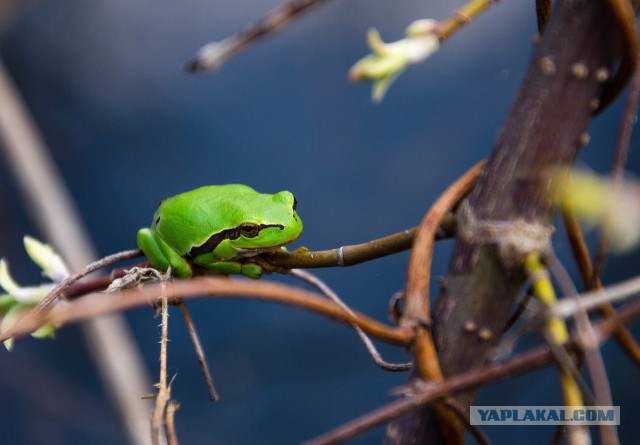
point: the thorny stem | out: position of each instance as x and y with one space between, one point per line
163 396
172 436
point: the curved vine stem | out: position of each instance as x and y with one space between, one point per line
206 287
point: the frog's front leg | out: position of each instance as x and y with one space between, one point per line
212 262
160 255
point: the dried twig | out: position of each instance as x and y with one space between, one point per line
322 287
588 340
164 393
172 436
197 346
84 271
627 122
583 259
215 54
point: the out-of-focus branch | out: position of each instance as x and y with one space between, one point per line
215 54
566 82
116 357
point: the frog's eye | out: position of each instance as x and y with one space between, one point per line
249 230
295 203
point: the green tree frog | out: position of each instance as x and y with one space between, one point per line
216 227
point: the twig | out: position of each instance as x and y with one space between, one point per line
593 299
197 346
419 274
589 342
213 55
568 366
625 130
84 271
100 304
463 16
357 253
172 437
626 28
109 340
323 288
522 306
416 312
163 396
557 333
543 11
463 415
583 259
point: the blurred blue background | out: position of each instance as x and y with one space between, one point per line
128 127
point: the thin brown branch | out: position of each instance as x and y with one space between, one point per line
463 415
419 271
625 130
164 393
197 346
625 18
172 436
581 254
589 343
357 253
215 54
84 271
323 288
416 296
206 287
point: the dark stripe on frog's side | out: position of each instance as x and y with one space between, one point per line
213 241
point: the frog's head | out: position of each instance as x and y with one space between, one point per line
269 222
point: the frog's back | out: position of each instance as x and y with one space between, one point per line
201 213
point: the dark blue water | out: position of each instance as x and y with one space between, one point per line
128 127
